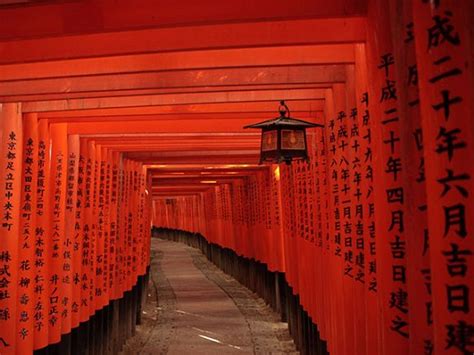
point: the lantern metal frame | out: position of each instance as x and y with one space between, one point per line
280 127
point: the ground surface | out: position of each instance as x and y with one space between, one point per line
194 308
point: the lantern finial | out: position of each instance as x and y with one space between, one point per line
284 110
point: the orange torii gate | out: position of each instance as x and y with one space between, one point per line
131 120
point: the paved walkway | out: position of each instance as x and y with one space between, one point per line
194 308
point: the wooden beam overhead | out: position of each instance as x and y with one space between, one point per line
185 60
175 99
19 49
311 74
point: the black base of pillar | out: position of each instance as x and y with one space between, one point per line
108 329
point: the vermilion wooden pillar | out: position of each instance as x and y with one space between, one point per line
390 179
333 321
82 223
10 181
444 53
412 149
42 240
73 242
366 188
27 243
100 227
113 191
58 280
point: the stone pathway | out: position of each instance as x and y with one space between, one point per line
194 308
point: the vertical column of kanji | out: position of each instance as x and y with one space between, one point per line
253 214
308 281
104 198
298 226
285 215
241 228
221 203
42 240
263 245
323 232
138 218
256 239
229 204
11 150
343 225
242 242
294 226
335 261
148 234
222 198
106 158
233 198
239 232
415 218
218 221
444 52
141 212
224 236
58 227
100 227
354 221
120 239
113 234
90 223
277 225
328 246
26 243
128 225
133 222
71 255
125 226
327 233
304 267
130 215
310 217
366 224
10 180
78 218
141 198
288 216
291 224
146 219
268 218
250 213
150 216
316 191
390 181
82 220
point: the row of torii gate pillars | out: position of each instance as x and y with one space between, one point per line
116 117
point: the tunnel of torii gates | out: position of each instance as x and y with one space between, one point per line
121 115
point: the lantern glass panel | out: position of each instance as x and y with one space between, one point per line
292 139
269 141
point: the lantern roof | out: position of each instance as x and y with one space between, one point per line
283 121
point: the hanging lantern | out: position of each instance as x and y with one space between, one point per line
283 138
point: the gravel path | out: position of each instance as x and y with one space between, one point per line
194 308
